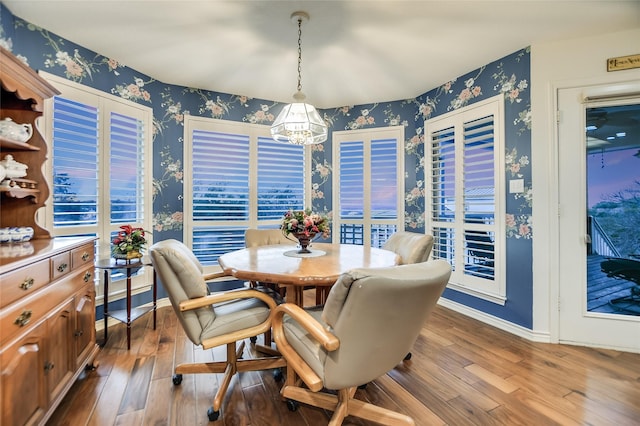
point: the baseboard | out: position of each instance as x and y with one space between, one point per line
493 321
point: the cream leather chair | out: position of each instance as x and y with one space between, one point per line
371 319
265 237
211 320
410 246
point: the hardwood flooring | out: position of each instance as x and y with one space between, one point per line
462 372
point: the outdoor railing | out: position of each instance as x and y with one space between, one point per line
600 243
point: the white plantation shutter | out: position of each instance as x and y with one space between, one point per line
75 163
236 177
443 193
127 169
479 183
384 179
351 193
465 194
220 182
385 189
370 180
101 168
220 176
479 197
100 163
280 178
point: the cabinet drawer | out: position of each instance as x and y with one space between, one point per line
26 312
60 265
24 281
82 256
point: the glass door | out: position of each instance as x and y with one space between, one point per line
613 208
599 219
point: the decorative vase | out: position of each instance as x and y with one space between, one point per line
128 256
304 240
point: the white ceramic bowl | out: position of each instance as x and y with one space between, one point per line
16 234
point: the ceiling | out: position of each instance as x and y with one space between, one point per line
353 52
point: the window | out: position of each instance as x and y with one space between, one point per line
100 163
236 177
368 202
464 201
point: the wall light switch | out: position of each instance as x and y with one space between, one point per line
516 186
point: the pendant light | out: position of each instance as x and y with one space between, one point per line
299 123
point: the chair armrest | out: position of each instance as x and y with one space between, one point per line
214 275
187 305
325 338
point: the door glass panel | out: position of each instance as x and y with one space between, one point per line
613 208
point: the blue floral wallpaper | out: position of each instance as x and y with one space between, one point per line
509 76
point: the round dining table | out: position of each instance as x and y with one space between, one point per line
283 265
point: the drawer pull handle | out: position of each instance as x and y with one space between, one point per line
79 333
85 256
23 319
87 276
48 366
27 283
62 267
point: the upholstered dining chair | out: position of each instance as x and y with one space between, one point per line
266 237
211 320
370 320
410 246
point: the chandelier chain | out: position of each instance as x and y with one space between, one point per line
299 54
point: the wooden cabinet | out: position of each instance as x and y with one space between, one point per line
47 290
47 326
22 100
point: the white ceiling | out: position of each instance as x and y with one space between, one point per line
354 52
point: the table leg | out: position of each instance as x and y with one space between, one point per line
128 308
155 296
105 303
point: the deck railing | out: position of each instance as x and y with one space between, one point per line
600 243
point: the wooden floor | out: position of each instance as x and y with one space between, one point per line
462 372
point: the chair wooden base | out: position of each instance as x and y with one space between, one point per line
344 404
231 366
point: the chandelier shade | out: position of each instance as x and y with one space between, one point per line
299 123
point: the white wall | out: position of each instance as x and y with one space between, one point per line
567 63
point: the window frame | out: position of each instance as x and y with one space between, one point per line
254 132
103 229
492 290
366 136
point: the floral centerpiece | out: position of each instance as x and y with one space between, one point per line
305 225
129 243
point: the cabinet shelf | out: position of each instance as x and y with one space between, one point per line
17 192
9 145
22 98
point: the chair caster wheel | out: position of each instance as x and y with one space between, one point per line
253 339
407 357
292 405
277 375
213 415
177 379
